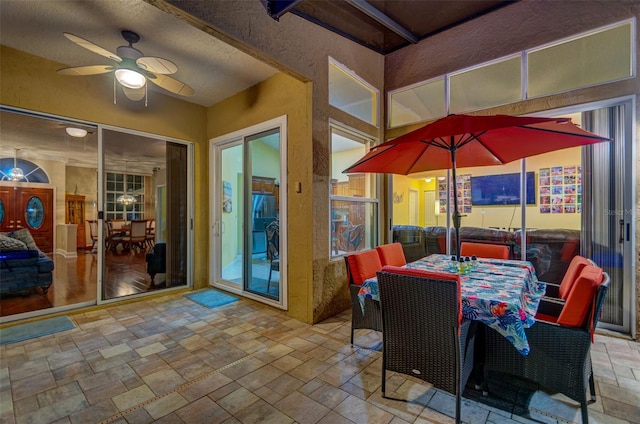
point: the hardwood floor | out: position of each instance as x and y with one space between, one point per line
74 281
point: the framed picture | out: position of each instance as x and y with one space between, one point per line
226 197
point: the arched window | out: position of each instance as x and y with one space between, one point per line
32 172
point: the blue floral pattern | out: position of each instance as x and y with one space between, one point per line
503 294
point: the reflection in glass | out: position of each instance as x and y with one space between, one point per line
34 213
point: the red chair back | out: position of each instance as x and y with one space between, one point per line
484 250
362 265
573 271
581 298
391 254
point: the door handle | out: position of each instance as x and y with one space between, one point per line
621 238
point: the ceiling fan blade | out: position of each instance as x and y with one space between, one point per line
86 70
92 47
172 85
134 94
157 65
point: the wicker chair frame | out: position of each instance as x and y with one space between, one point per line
363 317
422 336
559 359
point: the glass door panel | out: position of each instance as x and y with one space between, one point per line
145 211
34 208
231 214
264 264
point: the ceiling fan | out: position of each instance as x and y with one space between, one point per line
132 69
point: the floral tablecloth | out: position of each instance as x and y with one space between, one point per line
503 294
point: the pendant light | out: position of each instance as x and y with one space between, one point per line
16 173
126 199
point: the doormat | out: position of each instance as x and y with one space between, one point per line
211 298
22 332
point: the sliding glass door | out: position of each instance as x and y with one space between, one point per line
248 245
145 214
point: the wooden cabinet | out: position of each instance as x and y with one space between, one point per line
276 192
263 185
75 215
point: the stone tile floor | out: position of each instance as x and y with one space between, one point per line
170 360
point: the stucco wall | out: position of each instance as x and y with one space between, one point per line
511 29
277 96
300 49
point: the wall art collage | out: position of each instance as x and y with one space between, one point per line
560 189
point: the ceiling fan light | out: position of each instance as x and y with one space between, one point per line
130 78
76 132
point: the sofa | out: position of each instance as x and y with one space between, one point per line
22 265
549 250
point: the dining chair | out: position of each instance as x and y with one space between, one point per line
484 250
137 235
423 332
93 232
151 233
114 236
391 254
561 291
559 359
360 267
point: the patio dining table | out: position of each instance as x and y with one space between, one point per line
503 294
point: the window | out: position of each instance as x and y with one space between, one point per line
353 197
420 102
598 57
351 94
116 187
488 85
601 56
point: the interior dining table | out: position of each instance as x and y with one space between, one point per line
503 294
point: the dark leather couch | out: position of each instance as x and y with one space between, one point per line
561 244
22 270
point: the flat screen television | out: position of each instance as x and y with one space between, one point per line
503 189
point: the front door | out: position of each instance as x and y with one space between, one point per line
30 208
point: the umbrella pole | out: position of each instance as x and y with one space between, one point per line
455 215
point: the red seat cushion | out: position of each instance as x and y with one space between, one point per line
574 270
581 297
391 254
363 265
484 250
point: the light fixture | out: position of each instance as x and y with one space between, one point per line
441 178
76 132
126 199
130 78
428 180
16 174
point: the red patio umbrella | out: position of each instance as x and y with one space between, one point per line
466 140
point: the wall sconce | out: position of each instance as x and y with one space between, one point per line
441 178
428 180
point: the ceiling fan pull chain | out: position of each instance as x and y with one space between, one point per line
114 89
146 94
